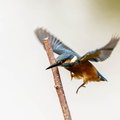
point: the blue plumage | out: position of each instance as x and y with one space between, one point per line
79 67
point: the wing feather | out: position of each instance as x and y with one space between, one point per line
57 46
102 53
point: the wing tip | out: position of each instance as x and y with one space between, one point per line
39 30
115 37
41 33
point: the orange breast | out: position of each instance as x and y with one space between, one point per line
86 70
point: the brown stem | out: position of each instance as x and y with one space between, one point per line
57 80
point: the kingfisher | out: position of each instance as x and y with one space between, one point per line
80 67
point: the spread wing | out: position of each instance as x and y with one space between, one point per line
102 53
57 46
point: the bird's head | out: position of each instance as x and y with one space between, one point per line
64 60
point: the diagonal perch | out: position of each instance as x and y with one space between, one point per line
57 80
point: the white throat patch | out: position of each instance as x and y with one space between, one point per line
74 59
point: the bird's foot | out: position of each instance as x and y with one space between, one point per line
83 85
71 75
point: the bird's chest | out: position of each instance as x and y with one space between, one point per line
75 68
83 68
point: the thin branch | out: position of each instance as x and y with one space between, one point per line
57 80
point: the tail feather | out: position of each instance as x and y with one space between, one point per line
101 77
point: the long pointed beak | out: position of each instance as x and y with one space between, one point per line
53 65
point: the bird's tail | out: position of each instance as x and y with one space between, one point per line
101 77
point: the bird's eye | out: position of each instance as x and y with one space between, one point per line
60 62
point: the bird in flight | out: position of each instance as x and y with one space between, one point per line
80 67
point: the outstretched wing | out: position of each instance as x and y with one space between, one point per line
102 53
57 46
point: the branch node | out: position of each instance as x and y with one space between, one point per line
58 86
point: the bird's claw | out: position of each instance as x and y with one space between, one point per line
72 75
80 87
